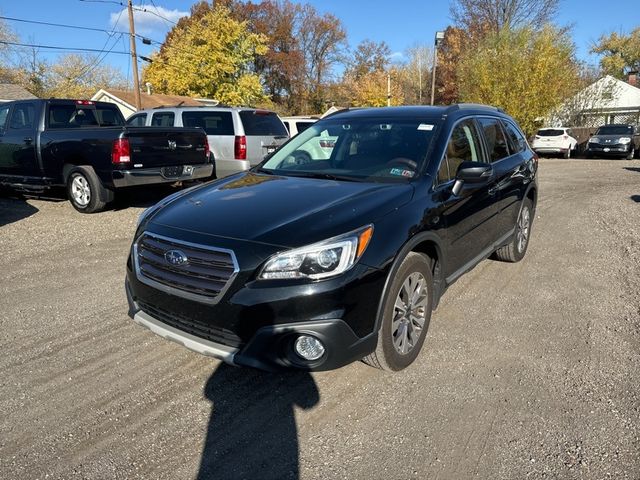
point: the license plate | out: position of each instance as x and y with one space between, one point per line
606 149
173 171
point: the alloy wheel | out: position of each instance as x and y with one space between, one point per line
409 313
80 190
524 223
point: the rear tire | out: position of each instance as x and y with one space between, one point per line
567 153
515 250
85 190
405 316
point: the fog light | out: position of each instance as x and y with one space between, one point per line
308 347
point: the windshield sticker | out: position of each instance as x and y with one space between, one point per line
425 126
401 172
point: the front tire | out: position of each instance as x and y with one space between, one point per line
632 154
406 315
515 250
85 191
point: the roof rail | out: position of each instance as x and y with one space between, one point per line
470 106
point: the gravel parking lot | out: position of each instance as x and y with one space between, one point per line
530 370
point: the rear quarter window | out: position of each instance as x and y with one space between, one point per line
257 122
213 123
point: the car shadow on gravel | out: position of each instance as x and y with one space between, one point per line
252 430
635 198
14 210
632 169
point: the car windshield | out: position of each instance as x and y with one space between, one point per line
550 132
615 130
365 149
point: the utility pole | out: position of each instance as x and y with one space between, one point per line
420 77
134 56
388 89
439 39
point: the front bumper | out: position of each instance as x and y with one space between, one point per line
609 149
150 176
257 327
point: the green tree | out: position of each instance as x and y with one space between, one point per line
620 53
209 54
527 73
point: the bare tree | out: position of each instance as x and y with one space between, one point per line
499 14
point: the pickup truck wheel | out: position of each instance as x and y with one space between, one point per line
514 251
406 315
85 191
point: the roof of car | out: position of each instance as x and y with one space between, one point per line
414 110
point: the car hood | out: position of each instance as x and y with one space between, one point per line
279 210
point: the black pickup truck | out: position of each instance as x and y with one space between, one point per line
86 147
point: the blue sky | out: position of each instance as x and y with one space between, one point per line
401 24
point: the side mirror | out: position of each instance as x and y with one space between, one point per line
472 173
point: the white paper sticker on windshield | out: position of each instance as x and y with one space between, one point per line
425 126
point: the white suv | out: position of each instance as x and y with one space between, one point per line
298 124
239 137
558 140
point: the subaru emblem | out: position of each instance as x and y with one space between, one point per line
176 258
172 144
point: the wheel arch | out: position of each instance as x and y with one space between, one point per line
429 244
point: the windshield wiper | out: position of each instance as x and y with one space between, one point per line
323 175
263 170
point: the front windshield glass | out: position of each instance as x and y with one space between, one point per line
615 130
362 149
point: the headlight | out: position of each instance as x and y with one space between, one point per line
624 141
320 260
594 140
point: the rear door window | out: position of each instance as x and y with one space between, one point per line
214 123
258 122
163 119
139 120
494 136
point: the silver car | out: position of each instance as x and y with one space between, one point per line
239 137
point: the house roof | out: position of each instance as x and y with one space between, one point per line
147 101
611 93
11 91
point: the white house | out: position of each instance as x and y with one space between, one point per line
608 100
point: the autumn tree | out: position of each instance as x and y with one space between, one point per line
620 53
209 54
503 14
76 76
526 72
322 43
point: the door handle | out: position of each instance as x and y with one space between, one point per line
27 140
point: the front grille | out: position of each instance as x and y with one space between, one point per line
200 273
194 327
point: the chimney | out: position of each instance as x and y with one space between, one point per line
633 79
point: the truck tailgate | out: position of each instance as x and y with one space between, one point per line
164 146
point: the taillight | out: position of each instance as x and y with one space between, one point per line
120 152
240 147
207 150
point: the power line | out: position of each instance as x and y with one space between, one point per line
55 47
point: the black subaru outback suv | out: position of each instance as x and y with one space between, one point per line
340 245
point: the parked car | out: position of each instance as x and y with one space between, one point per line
239 137
557 140
618 140
297 124
86 147
315 265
